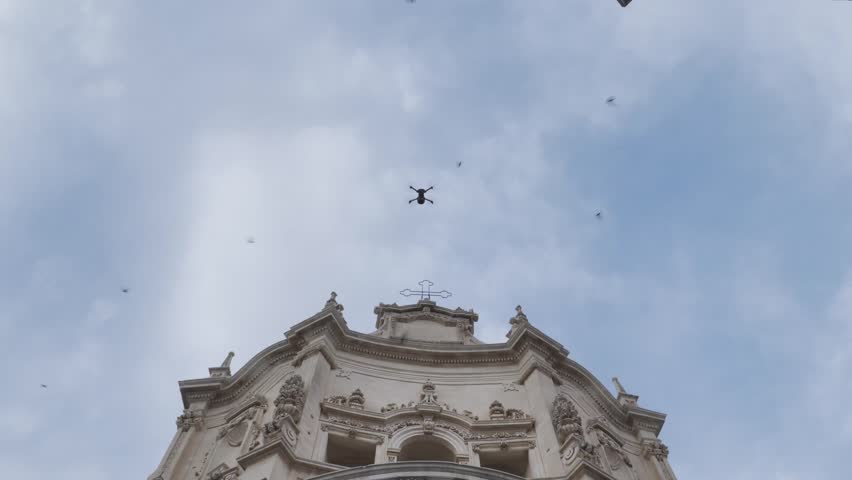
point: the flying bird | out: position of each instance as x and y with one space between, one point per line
624 3
458 164
598 215
43 386
250 240
125 290
610 101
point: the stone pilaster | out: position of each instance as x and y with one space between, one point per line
316 372
541 391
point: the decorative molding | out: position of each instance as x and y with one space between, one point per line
655 448
224 472
189 419
510 387
343 373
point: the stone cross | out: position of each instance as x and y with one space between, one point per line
425 291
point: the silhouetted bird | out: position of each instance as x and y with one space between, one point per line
125 290
43 386
598 215
458 164
250 240
610 101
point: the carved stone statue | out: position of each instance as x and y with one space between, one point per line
519 318
356 400
496 411
332 302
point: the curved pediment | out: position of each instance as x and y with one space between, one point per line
328 334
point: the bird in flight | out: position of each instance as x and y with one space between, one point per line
43 386
250 240
598 215
125 290
610 101
458 164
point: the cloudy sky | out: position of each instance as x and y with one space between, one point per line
143 142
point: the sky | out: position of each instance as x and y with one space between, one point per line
142 143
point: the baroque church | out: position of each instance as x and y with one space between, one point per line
418 398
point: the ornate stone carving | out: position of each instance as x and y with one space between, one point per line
337 400
516 414
254 437
236 428
429 393
343 373
389 430
510 387
291 399
470 415
356 399
189 419
496 411
390 407
566 420
223 472
656 449
428 424
519 318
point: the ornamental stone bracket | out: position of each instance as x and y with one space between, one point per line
224 472
189 419
584 470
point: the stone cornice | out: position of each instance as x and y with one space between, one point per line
279 447
424 306
222 390
327 333
331 409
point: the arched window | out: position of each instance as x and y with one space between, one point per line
426 447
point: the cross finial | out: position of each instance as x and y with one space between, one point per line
425 291
618 385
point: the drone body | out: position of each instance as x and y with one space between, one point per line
421 195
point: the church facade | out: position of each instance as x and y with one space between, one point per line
418 398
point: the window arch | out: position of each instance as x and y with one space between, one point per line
426 448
